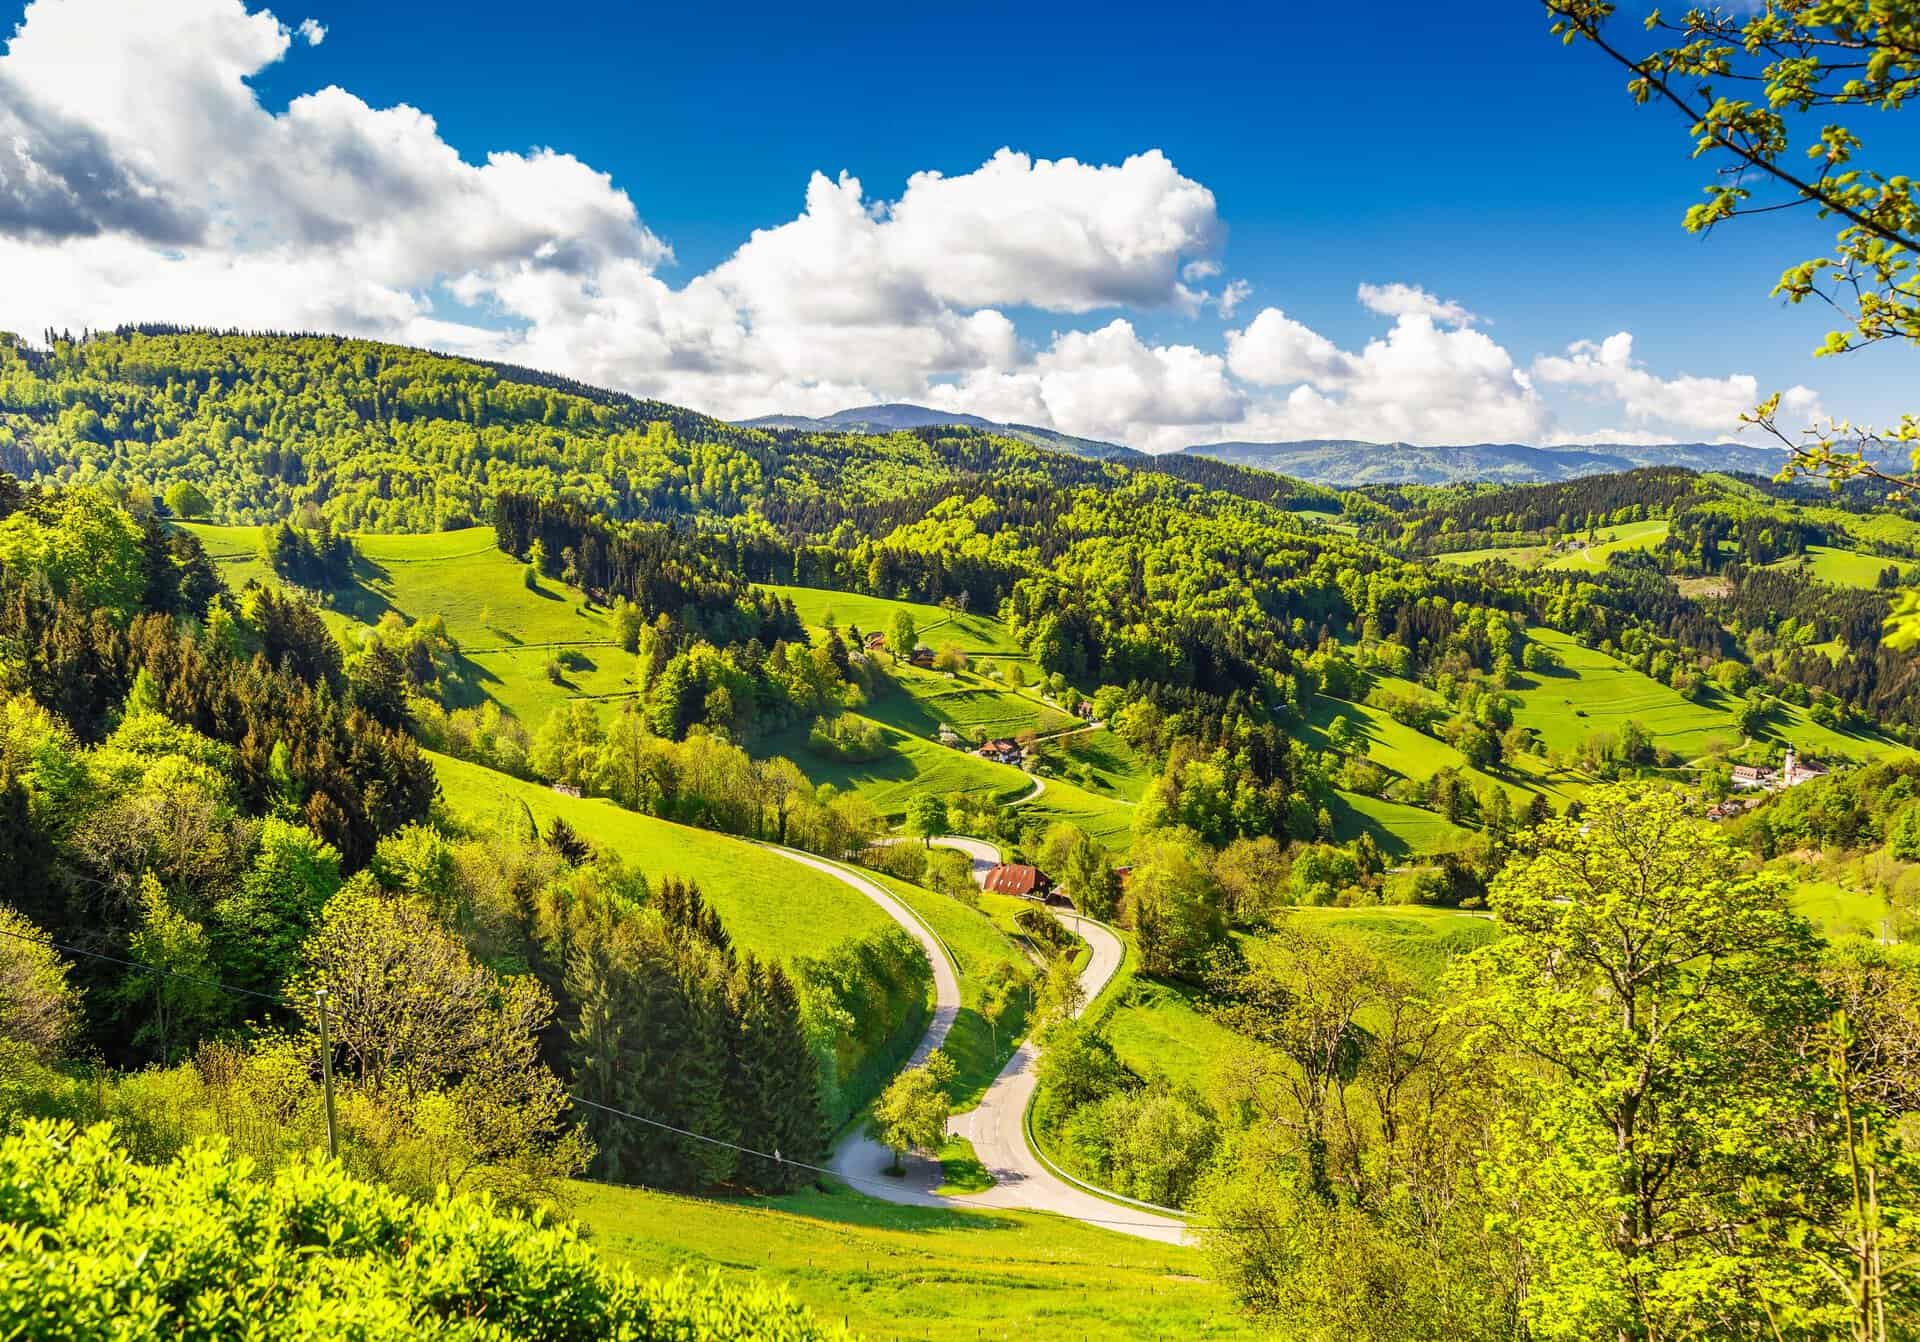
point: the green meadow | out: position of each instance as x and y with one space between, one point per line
977 944
771 905
973 633
923 1273
1608 541
1592 691
1842 568
910 766
1399 829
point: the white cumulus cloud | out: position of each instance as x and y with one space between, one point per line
1711 405
1410 300
141 179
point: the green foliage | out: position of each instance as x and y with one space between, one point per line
911 1113
1663 990
84 545
927 816
37 1005
1174 906
94 1240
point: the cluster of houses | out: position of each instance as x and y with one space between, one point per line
1792 772
1751 779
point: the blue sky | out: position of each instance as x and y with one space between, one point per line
1473 159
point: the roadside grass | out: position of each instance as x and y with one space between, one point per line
1108 820
771 905
917 1272
978 943
1157 1026
960 1170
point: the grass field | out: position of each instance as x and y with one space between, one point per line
910 766
1156 1027
1841 568
1611 541
772 906
1416 938
1107 819
507 633
1840 911
910 1272
1592 691
1414 754
1399 829
964 701
1520 556
1161 1027
1608 542
975 633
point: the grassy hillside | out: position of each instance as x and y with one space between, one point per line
909 1272
1608 541
507 632
1841 568
975 632
1592 691
771 905
911 765
1399 829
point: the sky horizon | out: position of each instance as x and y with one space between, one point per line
1248 227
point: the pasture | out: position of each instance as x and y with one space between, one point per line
771 905
958 1276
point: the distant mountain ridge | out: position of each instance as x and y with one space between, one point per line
1350 462
1337 462
896 416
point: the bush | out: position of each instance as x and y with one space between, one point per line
103 1247
847 738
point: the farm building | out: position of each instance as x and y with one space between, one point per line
1018 878
1002 751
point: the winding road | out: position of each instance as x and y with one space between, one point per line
997 1127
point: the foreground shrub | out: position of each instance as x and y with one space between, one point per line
93 1245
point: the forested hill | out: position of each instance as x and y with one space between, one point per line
1199 577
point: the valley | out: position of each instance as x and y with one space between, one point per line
704 800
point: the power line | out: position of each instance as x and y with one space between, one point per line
844 1177
773 1156
150 969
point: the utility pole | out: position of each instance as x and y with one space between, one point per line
326 1074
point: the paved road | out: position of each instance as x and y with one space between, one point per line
997 1128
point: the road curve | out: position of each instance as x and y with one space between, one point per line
997 1127
858 1158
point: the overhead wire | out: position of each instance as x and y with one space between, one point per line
774 1157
